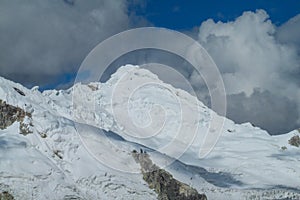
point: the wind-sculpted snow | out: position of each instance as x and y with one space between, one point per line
30 167
68 155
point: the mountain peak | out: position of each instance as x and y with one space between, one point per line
81 142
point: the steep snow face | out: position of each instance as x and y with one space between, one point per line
69 155
52 162
250 155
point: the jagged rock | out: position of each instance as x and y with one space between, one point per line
6 196
163 182
19 91
10 114
295 141
58 153
92 87
26 127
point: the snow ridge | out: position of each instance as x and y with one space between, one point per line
57 161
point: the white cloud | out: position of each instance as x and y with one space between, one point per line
247 52
251 57
289 32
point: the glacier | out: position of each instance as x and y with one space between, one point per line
82 138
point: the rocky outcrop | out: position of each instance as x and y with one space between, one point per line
6 196
295 141
163 182
10 114
19 91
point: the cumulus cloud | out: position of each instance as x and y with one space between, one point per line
274 112
43 40
260 66
289 32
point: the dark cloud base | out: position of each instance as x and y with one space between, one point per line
274 113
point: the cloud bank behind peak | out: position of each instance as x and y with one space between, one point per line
260 66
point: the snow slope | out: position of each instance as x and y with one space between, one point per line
30 169
78 159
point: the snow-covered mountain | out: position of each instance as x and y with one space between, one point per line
78 143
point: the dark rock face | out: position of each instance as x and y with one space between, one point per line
6 196
163 182
19 91
295 141
9 114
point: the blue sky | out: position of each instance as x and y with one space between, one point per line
185 14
